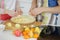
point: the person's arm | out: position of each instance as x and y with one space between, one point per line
34 4
37 11
59 2
52 9
17 5
18 9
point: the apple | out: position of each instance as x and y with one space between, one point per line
17 26
5 17
17 33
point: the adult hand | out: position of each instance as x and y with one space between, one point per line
37 11
19 12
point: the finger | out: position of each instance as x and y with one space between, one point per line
33 14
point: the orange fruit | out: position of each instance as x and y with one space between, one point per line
26 36
32 29
35 35
24 33
27 31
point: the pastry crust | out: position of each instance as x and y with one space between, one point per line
23 19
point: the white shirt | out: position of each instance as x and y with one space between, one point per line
10 4
25 6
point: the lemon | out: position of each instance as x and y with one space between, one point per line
37 29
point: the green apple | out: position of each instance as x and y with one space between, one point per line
17 25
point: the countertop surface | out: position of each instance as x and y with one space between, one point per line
7 35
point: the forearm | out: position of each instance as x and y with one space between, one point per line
53 9
34 4
17 5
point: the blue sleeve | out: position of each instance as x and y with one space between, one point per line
52 3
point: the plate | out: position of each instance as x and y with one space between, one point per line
23 19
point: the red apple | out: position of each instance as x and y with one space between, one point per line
17 33
5 17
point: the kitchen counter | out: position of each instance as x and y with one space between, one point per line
8 35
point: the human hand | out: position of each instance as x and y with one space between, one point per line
36 11
10 12
19 12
